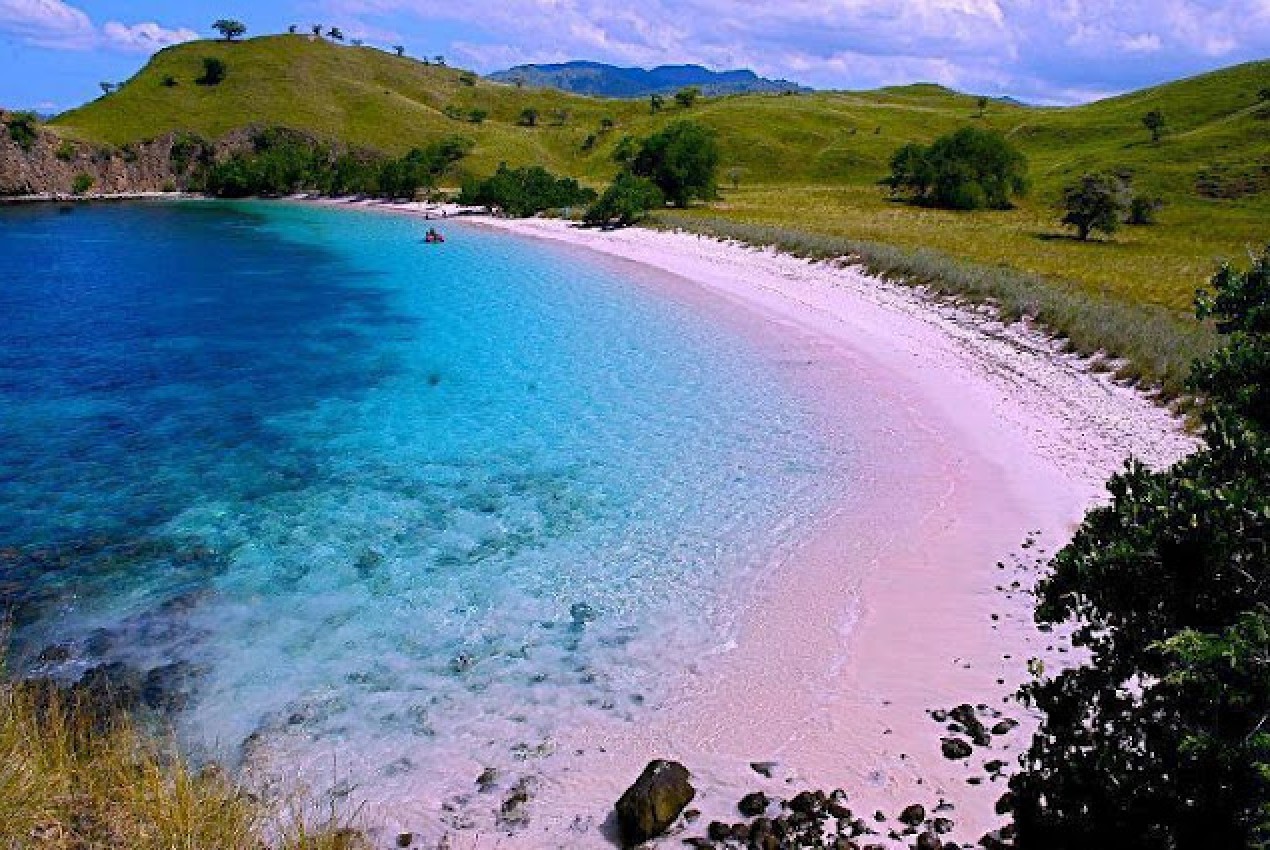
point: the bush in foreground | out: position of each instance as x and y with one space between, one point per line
1161 739
67 782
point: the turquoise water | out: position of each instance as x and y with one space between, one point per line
415 504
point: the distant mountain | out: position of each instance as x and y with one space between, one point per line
600 80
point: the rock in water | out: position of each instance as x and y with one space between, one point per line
652 804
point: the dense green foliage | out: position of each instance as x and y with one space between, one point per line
522 192
282 162
971 169
82 183
681 160
1154 122
23 129
627 200
1161 738
1097 202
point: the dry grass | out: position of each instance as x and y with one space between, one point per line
66 784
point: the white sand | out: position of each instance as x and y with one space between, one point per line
976 435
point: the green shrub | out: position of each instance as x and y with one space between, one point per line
681 160
214 72
625 202
523 192
82 183
1144 211
1096 202
23 129
1160 738
169 81
971 169
66 150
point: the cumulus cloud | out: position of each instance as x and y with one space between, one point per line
1048 50
58 25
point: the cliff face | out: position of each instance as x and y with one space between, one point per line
41 162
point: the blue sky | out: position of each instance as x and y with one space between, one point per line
53 53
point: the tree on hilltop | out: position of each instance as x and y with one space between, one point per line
230 28
335 34
1154 121
400 49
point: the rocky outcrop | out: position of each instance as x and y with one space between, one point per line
45 163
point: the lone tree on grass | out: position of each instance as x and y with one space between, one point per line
335 34
293 29
983 106
317 29
686 97
655 103
1154 121
107 88
528 117
681 160
1264 95
1097 202
1159 737
400 49
230 28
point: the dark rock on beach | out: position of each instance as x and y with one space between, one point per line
955 748
649 807
753 805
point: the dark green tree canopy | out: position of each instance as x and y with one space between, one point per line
688 96
681 160
1097 202
1161 738
523 192
1154 121
214 71
971 169
625 202
229 28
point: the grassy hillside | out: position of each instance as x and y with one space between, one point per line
810 161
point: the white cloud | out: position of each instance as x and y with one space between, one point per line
60 26
144 38
46 23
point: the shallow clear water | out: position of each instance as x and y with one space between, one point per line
408 502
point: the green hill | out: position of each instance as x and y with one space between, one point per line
807 160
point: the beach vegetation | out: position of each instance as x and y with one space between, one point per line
681 160
526 191
66 150
282 162
230 29
1148 344
82 183
74 780
23 128
970 169
625 202
1160 738
1097 202
214 71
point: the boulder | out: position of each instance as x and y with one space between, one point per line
651 805
753 805
913 815
955 748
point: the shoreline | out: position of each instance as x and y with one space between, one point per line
991 445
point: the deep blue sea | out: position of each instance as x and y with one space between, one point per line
402 501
